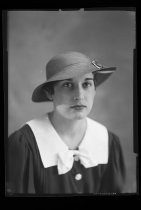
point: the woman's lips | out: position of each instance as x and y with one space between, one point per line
78 107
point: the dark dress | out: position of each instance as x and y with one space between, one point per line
26 173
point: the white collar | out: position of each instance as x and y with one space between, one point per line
50 144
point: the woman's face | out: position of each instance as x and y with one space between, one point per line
73 98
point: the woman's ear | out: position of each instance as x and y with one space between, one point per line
48 95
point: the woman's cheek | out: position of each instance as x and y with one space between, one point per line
64 111
91 100
61 103
61 108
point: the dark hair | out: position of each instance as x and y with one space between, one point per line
50 85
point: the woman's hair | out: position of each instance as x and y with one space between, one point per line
50 85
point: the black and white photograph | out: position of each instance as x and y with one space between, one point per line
70 103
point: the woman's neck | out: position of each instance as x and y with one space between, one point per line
69 130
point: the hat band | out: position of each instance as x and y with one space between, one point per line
70 70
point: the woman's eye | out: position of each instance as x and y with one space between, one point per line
87 84
68 85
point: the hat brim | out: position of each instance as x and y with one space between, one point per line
100 75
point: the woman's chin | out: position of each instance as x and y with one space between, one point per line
78 116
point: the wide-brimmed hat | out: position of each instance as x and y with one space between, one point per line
69 65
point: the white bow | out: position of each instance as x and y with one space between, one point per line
65 160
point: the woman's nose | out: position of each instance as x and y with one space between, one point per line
79 94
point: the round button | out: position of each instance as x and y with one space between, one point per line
76 158
78 177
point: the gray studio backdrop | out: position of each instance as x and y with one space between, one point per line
109 36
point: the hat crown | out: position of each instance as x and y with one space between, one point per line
61 61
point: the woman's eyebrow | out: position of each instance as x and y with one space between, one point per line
88 78
71 80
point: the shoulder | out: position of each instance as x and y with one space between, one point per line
26 135
96 124
22 137
101 131
26 130
38 125
97 132
96 128
115 150
114 141
20 132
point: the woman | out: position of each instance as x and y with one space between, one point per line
64 151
